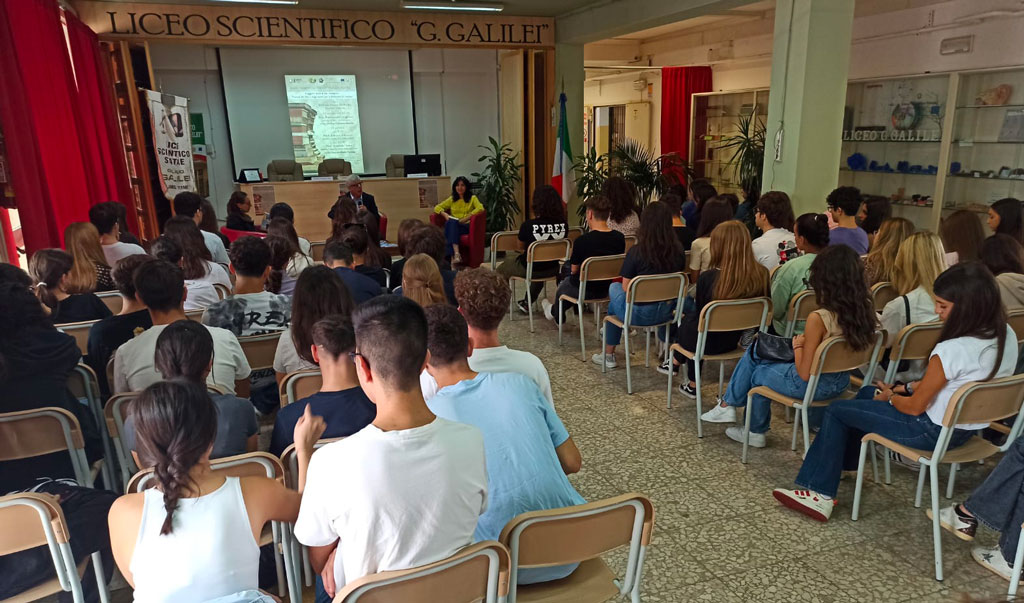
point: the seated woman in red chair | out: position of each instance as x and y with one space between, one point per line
458 209
238 213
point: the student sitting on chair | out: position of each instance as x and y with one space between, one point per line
548 224
338 256
50 269
251 309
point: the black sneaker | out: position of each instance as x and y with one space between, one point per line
689 392
524 306
666 366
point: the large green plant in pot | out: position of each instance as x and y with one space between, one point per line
498 181
639 166
747 147
591 172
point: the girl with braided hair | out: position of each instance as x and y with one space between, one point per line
195 535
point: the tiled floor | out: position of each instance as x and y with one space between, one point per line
719 535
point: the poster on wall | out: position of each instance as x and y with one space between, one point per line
428 193
323 111
172 142
199 164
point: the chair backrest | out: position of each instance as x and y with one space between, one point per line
506 240
250 464
630 241
394 165
334 167
316 250
547 251
915 342
573 534
300 384
600 268
657 287
1016 321
196 315
115 411
281 170
291 463
479 572
82 382
573 233
801 305
29 520
985 401
735 314
222 291
882 293
259 350
32 433
80 331
835 355
113 300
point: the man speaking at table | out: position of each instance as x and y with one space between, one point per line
363 201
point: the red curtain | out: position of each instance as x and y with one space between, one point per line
40 122
677 86
102 148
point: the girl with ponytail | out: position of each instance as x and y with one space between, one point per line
810 233
193 536
50 270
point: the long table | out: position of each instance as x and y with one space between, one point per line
397 198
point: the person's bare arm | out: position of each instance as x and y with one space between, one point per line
569 457
805 345
308 430
924 393
123 522
318 556
252 442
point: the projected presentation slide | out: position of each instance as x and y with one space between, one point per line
324 113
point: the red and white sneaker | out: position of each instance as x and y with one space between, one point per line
808 502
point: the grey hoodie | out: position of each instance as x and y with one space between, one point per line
1011 289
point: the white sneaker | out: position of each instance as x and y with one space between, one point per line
992 559
737 434
720 414
607 359
546 307
808 502
954 522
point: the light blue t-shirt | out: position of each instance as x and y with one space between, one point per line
521 432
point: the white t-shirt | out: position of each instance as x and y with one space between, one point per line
134 368
500 359
116 251
246 314
286 358
967 359
216 247
766 246
200 293
305 247
395 499
700 254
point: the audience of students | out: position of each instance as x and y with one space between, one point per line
548 224
285 211
845 308
700 192
251 309
375 256
1005 216
715 211
976 344
288 260
108 334
880 262
1004 257
843 205
161 286
622 215
483 298
239 205
684 233
810 233
50 270
657 252
356 239
429 239
319 293
405 228
338 257
196 262
90 272
105 217
527 465
184 352
341 402
962 235
774 216
736 274
407 489
421 281
874 210
190 205
203 525
201 294
457 210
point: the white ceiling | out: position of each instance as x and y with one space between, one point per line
533 8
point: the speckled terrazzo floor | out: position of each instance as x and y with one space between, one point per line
719 535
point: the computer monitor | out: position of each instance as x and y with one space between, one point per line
423 164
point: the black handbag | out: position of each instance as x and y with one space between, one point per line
774 348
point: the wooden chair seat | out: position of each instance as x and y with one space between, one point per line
267 535
50 587
775 396
733 355
576 300
592 582
976 449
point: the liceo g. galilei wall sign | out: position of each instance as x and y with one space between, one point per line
282 25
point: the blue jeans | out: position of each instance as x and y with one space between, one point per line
453 231
643 315
752 371
837 445
999 501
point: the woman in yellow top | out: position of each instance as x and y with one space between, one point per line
457 210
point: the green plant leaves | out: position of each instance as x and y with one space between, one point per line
498 181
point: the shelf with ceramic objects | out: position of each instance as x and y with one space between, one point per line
986 155
714 117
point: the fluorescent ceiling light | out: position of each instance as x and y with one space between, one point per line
453 5
260 1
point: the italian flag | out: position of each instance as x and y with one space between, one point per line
562 176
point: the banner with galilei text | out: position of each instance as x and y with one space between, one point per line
172 142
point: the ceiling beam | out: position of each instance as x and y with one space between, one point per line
621 17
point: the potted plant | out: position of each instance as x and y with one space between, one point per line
591 172
640 167
747 146
498 182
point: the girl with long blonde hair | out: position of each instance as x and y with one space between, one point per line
421 281
920 260
734 274
879 263
90 271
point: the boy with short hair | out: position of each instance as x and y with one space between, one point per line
250 310
774 216
338 256
104 217
190 205
843 205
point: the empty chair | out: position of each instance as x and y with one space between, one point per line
394 165
284 170
506 240
335 168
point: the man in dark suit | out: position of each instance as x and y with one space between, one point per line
363 201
